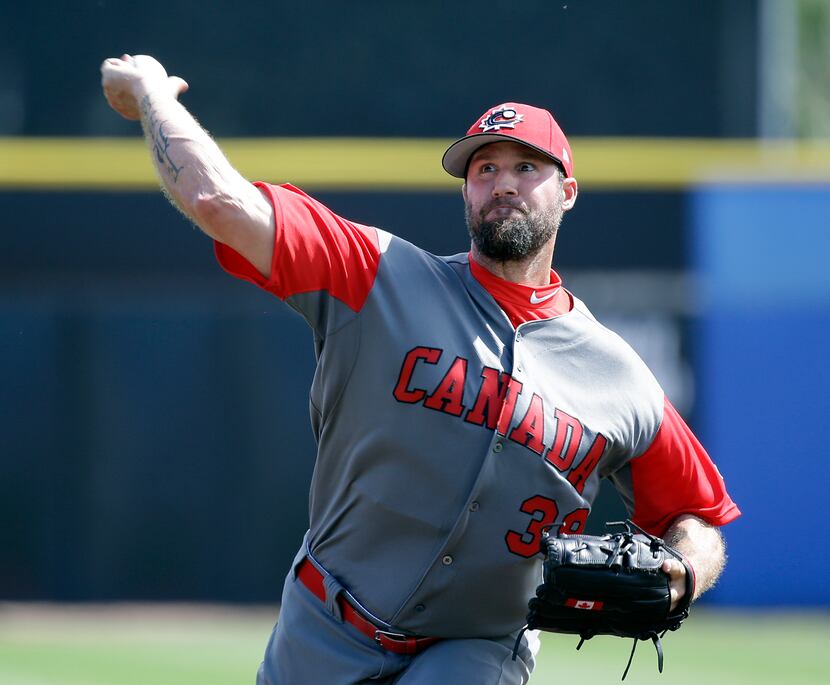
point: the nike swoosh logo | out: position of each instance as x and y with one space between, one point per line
534 299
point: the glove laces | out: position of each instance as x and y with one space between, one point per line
658 645
519 641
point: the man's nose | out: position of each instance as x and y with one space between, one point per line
505 185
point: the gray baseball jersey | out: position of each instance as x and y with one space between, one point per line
449 437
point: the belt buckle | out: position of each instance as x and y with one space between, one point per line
397 637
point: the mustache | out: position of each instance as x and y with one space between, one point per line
513 204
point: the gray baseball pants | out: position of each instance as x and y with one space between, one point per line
310 644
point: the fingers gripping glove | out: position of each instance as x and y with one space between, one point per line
608 585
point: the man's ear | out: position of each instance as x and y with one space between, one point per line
464 191
571 190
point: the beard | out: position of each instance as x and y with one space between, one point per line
515 237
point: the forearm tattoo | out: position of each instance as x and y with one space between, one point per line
159 139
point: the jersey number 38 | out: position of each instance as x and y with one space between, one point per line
543 512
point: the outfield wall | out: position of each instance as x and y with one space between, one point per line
154 423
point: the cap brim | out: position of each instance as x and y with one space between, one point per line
458 154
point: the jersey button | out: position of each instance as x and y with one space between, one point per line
498 447
419 607
474 506
447 560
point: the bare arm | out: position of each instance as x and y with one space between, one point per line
703 547
195 175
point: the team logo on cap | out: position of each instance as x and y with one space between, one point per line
501 117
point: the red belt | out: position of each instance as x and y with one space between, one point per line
396 643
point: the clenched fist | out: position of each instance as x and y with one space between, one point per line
127 79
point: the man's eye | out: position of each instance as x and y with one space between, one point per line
526 166
486 168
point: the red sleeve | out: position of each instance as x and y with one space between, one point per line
314 250
675 476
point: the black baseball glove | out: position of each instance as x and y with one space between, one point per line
608 585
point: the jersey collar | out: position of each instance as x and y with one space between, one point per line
522 302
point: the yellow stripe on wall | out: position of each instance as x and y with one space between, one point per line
387 164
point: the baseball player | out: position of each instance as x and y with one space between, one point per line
462 405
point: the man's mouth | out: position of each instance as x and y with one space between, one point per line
504 209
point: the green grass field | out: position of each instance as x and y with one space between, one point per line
209 645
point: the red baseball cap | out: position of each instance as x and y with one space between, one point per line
514 121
